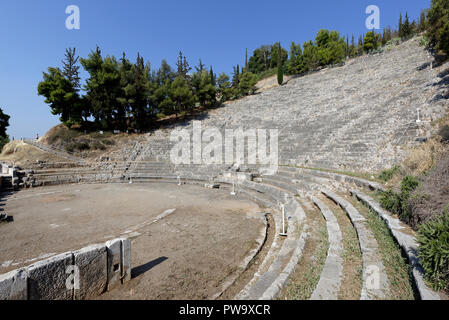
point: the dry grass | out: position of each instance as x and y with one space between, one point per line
419 160
21 154
396 265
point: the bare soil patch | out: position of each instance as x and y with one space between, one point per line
186 255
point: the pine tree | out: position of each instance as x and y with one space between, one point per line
200 66
186 67
182 66
438 25
360 46
102 88
165 73
60 95
383 38
140 89
181 95
353 49
295 62
370 41
224 87
70 68
125 98
247 84
4 123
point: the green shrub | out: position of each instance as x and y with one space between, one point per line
386 175
266 74
97 145
424 41
391 201
408 185
444 133
77 146
108 142
63 134
398 203
98 135
433 239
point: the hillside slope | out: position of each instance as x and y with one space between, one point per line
361 116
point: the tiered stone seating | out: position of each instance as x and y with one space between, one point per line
355 117
327 288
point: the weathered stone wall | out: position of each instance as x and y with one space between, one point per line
76 275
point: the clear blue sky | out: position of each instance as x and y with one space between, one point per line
33 37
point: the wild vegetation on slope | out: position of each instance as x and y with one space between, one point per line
423 203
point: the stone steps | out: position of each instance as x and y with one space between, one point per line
268 285
372 261
405 239
329 284
54 151
295 243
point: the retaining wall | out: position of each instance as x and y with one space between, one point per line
74 275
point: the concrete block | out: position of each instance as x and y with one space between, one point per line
47 279
13 285
114 248
93 276
126 260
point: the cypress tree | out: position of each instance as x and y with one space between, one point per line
406 27
212 77
246 60
280 69
422 22
347 46
235 77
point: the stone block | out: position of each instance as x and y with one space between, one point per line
91 262
49 279
212 185
114 248
126 260
13 285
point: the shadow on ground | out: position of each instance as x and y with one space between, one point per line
139 270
